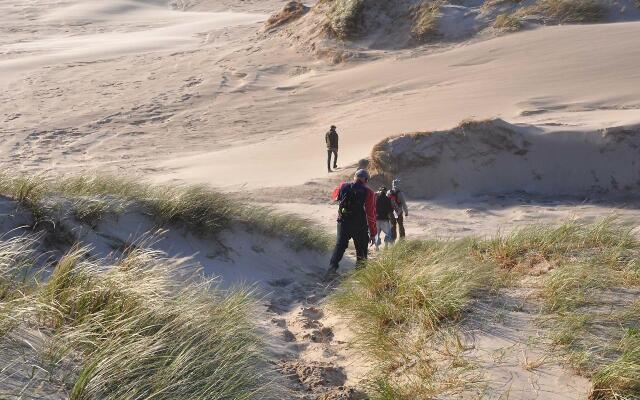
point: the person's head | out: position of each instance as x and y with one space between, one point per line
362 175
333 128
395 184
382 189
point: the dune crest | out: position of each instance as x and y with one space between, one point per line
493 157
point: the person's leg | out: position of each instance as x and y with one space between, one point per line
335 158
361 242
342 242
379 234
401 225
386 228
329 160
394 229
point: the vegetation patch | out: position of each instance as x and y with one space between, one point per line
507 22
345 18
291 11
425 16
568 11
133 329
198 208
405 306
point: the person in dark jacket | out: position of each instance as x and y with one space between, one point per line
356 219
331 138
384 213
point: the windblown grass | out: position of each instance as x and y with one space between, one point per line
400 302
134 330
507 22
198 208
425 19
589 266
569 11
404 306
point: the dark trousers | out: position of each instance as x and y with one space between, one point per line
335 158
397 224
350 230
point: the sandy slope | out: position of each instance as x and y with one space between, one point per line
247 109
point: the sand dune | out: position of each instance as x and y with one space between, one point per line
493 157
561 75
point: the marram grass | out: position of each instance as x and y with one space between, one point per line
198 208
133 330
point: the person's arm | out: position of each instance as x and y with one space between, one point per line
337 139
326 139
370 210
403 203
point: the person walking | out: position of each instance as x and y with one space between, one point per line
331 138
399 203
356 219
384 213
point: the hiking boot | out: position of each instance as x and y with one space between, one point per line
335 166
329 170
331 274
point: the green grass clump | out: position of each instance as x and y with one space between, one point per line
569 11
399 302
507 22
137 329
198 208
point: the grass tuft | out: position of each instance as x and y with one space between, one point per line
507 22
569 11
404 299
426 15
198 208
134 329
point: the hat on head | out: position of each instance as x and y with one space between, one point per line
362 173
333 127
395 184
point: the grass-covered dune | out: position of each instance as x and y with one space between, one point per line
200 209
405 23
132 328
409 306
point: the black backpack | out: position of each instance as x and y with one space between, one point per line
349 204
383 205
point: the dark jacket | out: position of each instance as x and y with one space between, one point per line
384 208
367 198
332 140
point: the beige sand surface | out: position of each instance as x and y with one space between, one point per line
197 93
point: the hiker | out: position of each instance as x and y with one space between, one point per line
356 219
332 147
399 203
384 213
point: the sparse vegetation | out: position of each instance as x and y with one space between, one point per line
291 11
425 17
129 330
507 22
345 17
198 208
568 11
404 306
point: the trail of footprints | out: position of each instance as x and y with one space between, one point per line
310 344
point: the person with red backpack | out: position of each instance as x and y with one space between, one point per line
356 220
400 206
